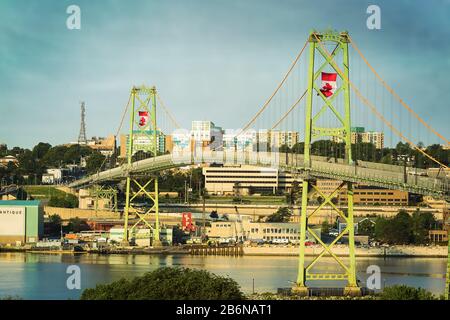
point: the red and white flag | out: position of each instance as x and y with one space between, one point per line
187 222
143 118
328 83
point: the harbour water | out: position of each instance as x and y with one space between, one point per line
44 276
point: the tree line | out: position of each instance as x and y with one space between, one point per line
33 163
368 152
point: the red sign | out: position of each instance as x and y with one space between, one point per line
186 222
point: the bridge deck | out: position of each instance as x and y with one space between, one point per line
373 174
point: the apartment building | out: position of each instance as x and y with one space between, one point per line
206 134
359 134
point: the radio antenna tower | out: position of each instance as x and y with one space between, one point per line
82 136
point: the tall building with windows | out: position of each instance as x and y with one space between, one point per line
376 138
359 135
279 138
206 134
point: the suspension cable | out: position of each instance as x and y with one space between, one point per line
289 111
275 92
172 118
374 109
119 128
394 93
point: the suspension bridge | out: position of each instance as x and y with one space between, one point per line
322 96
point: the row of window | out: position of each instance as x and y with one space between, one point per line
226 225
375 193
256 182
281 237
378 200
279 230
241 177
238 171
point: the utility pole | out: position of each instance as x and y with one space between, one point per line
203 216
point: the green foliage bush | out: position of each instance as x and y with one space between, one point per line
402 292
283 214
405 229
168 284
68 201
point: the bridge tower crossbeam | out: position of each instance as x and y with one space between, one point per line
343 132
103 192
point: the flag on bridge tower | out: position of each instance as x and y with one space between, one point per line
328 83
143 118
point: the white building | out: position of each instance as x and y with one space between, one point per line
181 141
266 231
55 175
206 134
245 179
239 140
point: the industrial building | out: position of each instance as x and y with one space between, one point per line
266 231
245 179
365 195
21 221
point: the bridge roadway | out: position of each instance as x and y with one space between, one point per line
369 173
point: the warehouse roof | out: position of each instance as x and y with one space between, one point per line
20 202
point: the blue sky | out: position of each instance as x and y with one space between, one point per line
209 59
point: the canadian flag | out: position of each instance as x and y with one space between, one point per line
143 118
328 83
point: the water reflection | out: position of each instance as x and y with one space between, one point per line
43 276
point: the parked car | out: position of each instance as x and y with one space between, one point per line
280 241
333 232
309 243
258 241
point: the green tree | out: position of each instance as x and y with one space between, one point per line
283 214
294 195
396 230
422 222
53 226
40 150
298 148
77 225
214 215
169 284
366 228
402 292
325 227
284 148
94 162
67 201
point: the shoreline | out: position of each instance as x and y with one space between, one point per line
285 251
